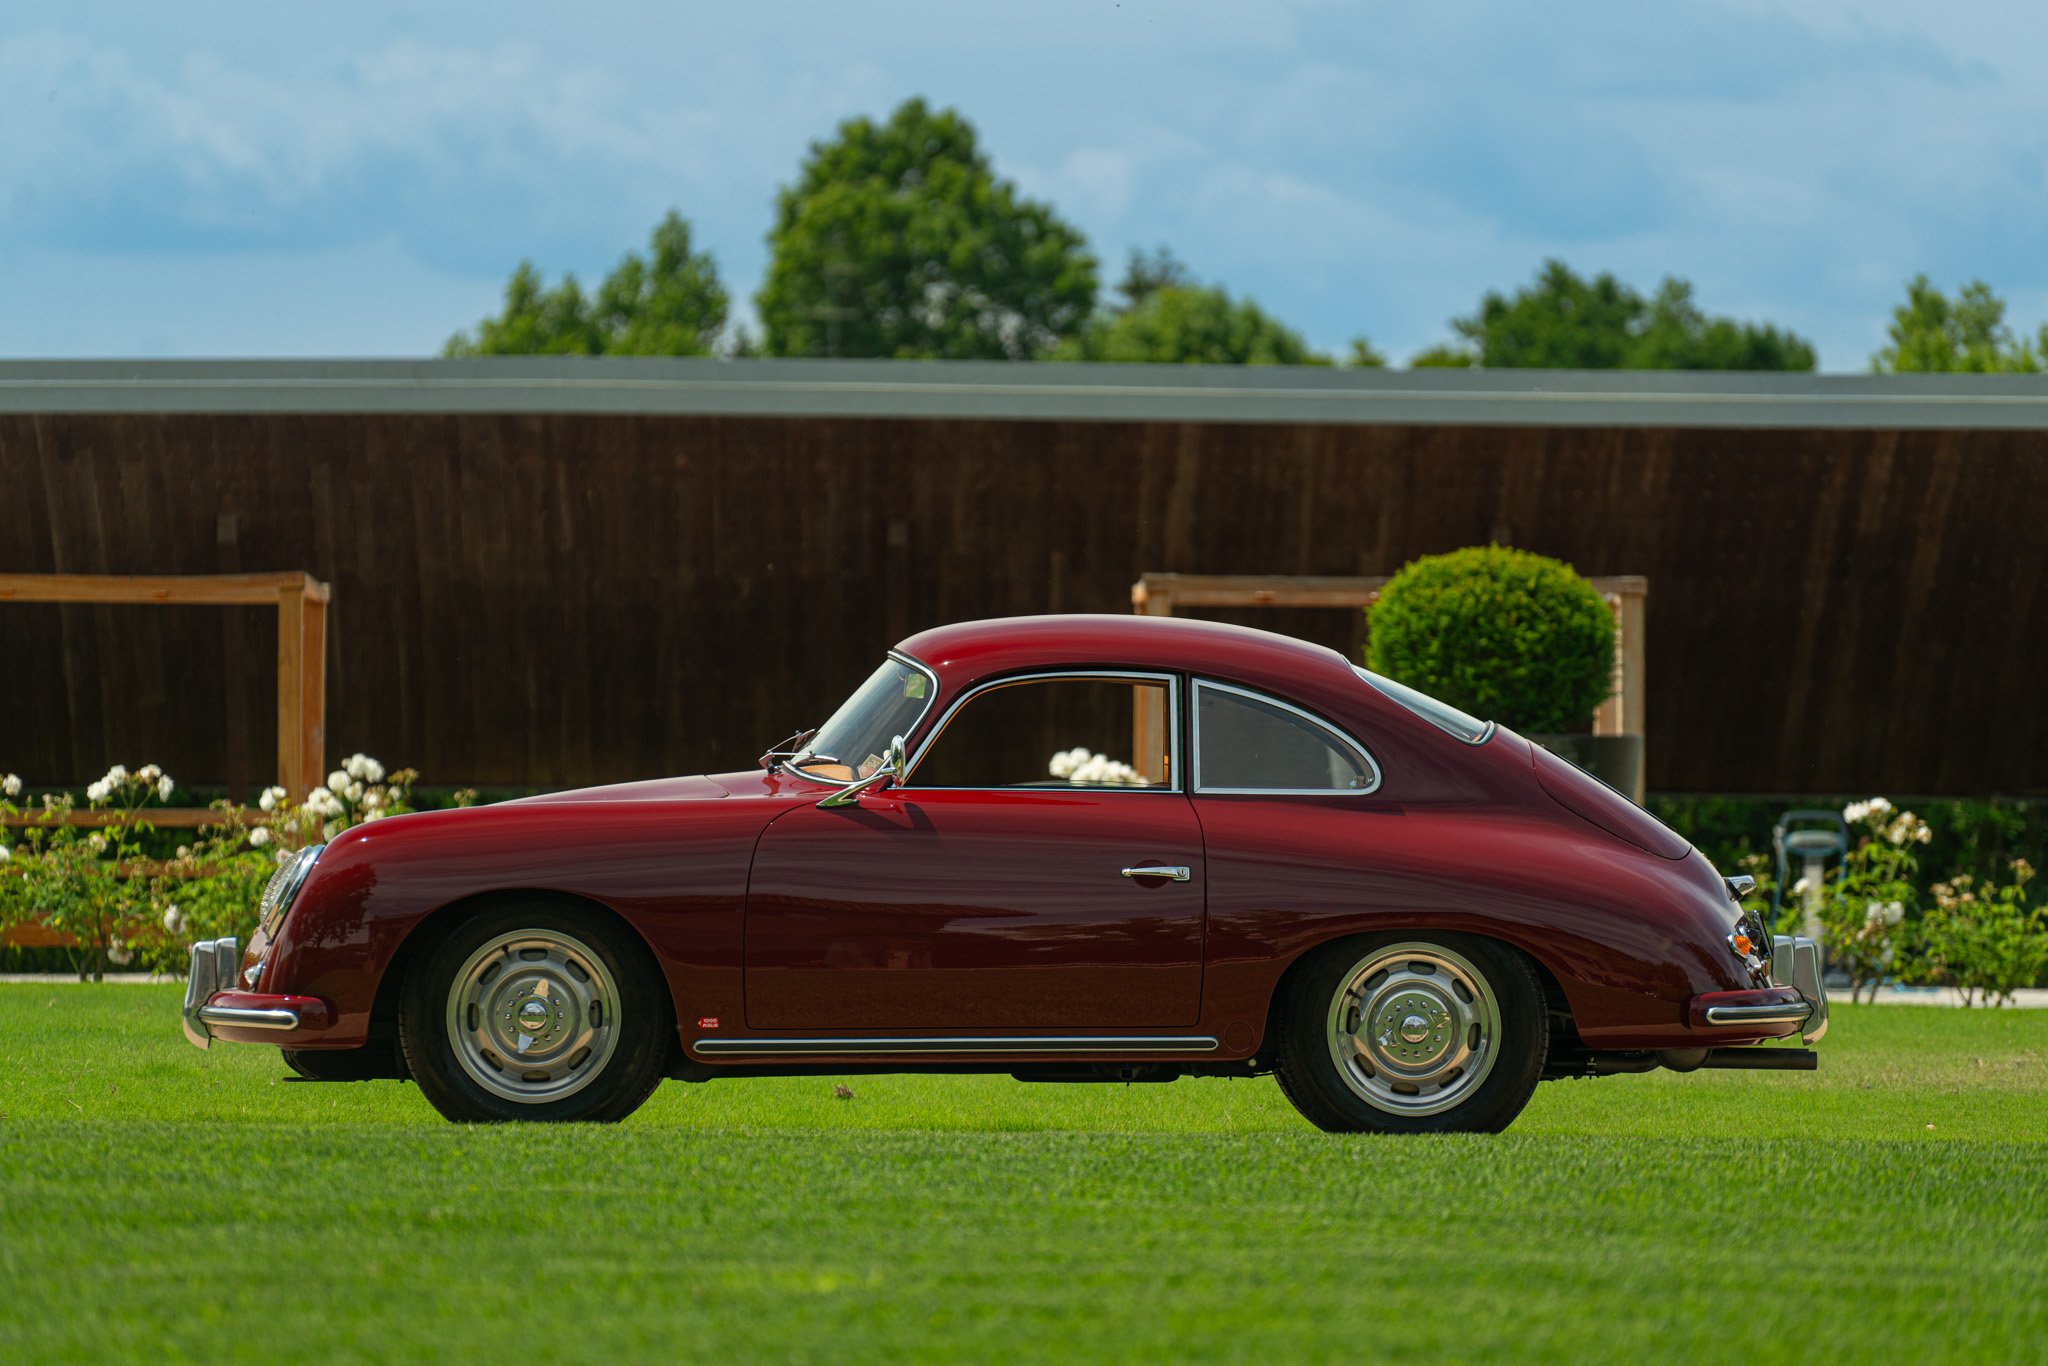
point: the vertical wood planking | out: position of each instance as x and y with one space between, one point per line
561 599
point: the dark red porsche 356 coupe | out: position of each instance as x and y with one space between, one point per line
1066 848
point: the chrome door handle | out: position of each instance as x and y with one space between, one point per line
1175 873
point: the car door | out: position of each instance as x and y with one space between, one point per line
1003 885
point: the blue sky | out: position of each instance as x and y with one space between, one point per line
259 179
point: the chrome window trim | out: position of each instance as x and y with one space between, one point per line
1175 762
1343 738
931 699
1486 728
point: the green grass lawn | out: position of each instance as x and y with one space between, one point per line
158 1202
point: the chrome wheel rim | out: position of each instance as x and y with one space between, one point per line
533 1016
1414 1029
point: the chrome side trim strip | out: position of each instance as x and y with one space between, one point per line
963 1044
249 1019
1796 1013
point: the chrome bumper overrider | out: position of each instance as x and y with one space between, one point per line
1796 963
214 965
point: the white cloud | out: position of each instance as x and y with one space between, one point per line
1357 169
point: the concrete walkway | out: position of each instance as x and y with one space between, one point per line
2026 998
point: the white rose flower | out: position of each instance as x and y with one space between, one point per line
337 781
373 772
353 765
259 837
373 799
174 919
11 785
96 842
164 787
272 798
116 776
1855 812
354 792
5 853
149 773
98 791
184 851
120 955
374 815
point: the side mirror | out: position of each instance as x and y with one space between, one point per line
891 769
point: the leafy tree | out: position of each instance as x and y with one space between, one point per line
1147 273
1443 356
1366 356
1192 325
898 239
1168 318
1967 334
1564 321
1676 335
668 304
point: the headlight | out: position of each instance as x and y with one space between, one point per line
284 884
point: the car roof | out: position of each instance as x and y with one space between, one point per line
964 653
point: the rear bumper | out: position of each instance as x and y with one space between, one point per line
213 1009
1797 1003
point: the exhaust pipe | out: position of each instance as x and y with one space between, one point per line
1741 1059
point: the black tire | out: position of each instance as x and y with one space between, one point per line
1331 991
610 1006
374 1061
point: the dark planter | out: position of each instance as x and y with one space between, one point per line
1616 760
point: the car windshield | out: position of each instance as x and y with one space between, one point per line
852 744
1442 715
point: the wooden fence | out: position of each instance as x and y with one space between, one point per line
555 599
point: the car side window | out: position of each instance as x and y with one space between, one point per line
1068 731
1246 742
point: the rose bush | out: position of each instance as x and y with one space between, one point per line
1976 934
121 908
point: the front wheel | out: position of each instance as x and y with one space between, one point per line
1405 1034
535 1013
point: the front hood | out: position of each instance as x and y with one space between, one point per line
647 790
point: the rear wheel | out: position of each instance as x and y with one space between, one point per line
1406 1034
535 1013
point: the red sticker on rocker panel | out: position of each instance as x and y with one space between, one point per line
707 1022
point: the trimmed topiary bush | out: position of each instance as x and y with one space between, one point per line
1504 634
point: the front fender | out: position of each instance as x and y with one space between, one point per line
675 871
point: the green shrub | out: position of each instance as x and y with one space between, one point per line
1504 634
127 900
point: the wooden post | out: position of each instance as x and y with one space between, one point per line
301 685
291 691
1623 712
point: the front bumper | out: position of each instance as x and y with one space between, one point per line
212 1003
1796 1002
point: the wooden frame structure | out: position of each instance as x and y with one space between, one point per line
1160 595
301 603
